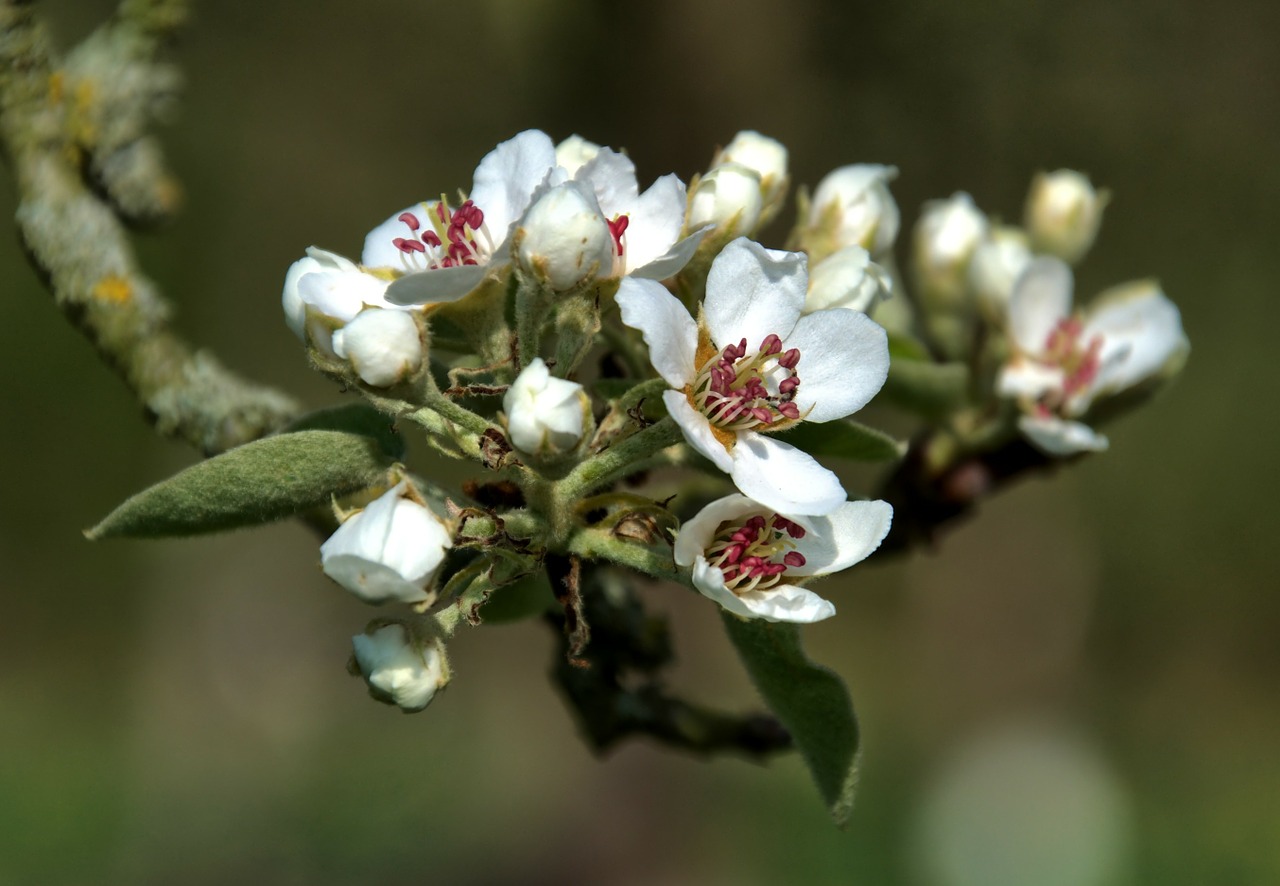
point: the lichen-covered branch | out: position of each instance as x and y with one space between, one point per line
63 124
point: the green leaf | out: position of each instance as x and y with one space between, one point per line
354 418
259 482
927 388
844 439
809 700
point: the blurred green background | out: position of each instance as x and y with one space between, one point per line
1080 687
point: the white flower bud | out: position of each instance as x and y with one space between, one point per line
729 197
574 153
295 309
323 291
852 205
384 346
545 415
946 236
563 238
997 263
767 158
388 551
1064 213
399 669
847 279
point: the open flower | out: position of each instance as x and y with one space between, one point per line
1062 361
439 253
388 551
746 557
755 365
400 668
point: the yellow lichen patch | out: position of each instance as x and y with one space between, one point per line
113 289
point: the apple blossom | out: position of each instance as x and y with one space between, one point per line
323 291
744 556
399 668
852 206
388 551
564 239
1062 361
545 415
1064 213
767 158
847 279
739 372
728 198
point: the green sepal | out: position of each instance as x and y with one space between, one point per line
266 480
809 700
844 439
355 418
917 383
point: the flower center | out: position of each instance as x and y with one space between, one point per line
1078 360
455 237
755 555
736 392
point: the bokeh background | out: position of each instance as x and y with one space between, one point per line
1078 688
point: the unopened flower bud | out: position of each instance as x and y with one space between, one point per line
847 279
853 206
384 346
946 236
997 263
767 158
563 239
323 291
545 415
729 197
574 153
399 668
388 551
1064 213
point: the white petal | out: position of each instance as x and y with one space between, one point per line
1140 321
331 261
697 533
295 309
656 218
697 430
384 347
613 177
673 260
506 178
845 536
669 331
1057 436
847 279
782 477
709 580
787 603
1041 298
752 292
1027 378
379 252
397 669
844 360
434 287
341 294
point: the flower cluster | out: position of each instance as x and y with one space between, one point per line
569 332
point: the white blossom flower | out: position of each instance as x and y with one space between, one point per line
946 236
399 668
564 238
1064 213
544 414
388 551
745 556
740 373
323 291
439 253
997 263
853 206
1062 361
847 279
728 198
766 157
574 153
384 347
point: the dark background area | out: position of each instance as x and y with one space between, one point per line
1077 688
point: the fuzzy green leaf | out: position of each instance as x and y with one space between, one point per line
929 389
354 418
266 480
844 439
809 700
